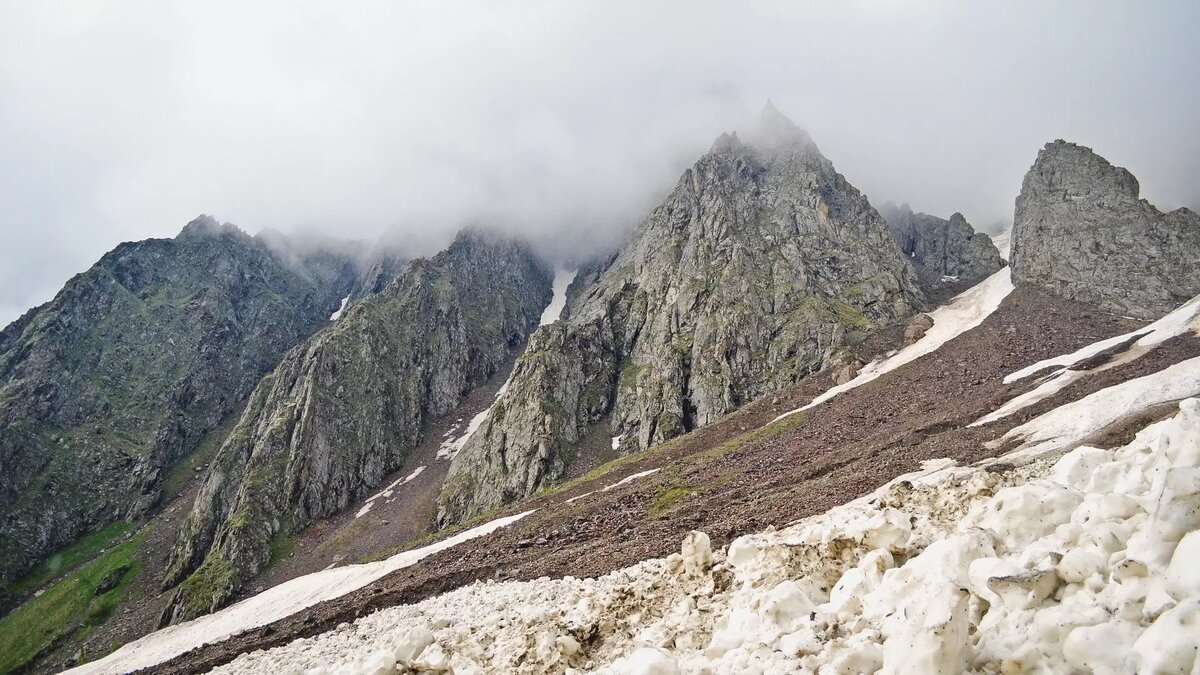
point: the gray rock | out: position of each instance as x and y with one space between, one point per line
104 387
753 273
943 251
1081 232
345 409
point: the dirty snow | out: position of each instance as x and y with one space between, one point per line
964 312
270 605
450 447
1084 564
337 314
553 311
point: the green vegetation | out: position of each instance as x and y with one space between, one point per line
667 496
283 545
850 316
68 559
207 586
71 608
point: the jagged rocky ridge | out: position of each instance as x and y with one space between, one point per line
343 410
132 363
755 271
1081 232
943 251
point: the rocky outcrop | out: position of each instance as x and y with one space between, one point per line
1081 232
344 409
756 270
943 251
135 360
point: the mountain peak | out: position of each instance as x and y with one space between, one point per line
777 130
205 225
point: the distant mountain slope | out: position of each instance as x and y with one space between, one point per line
102 388
1082 232
344 409
753 273
943 251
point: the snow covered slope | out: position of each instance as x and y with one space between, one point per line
270 605
1083 564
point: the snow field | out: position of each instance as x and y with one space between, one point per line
1086 563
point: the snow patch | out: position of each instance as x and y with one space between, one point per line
1085 564
337 314
1073 422
271 605
387 491
629 479
964 312
616 442
1184 319
553 311
450 447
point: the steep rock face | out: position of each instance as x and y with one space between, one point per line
943 251
753 273
343 410
132 363
1081 232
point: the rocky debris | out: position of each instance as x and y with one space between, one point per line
1083 564
343 410
757 270
132 363
1082 232
917 327
943 251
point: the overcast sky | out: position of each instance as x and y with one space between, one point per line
124 120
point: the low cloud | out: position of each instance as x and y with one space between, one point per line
565 121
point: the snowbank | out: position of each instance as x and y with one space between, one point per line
964 312
1084 564
271 605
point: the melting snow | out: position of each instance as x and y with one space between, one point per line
964 312
616 442
1003 242
271 605
562 280
337 314
1086 564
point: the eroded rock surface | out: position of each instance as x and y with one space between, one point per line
943 251
132 363
754 272
1082 232
344 409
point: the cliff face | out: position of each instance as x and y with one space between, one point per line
102 388
752 273
344 409
1081 232
943 251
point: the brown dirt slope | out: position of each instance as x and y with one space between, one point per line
743 474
